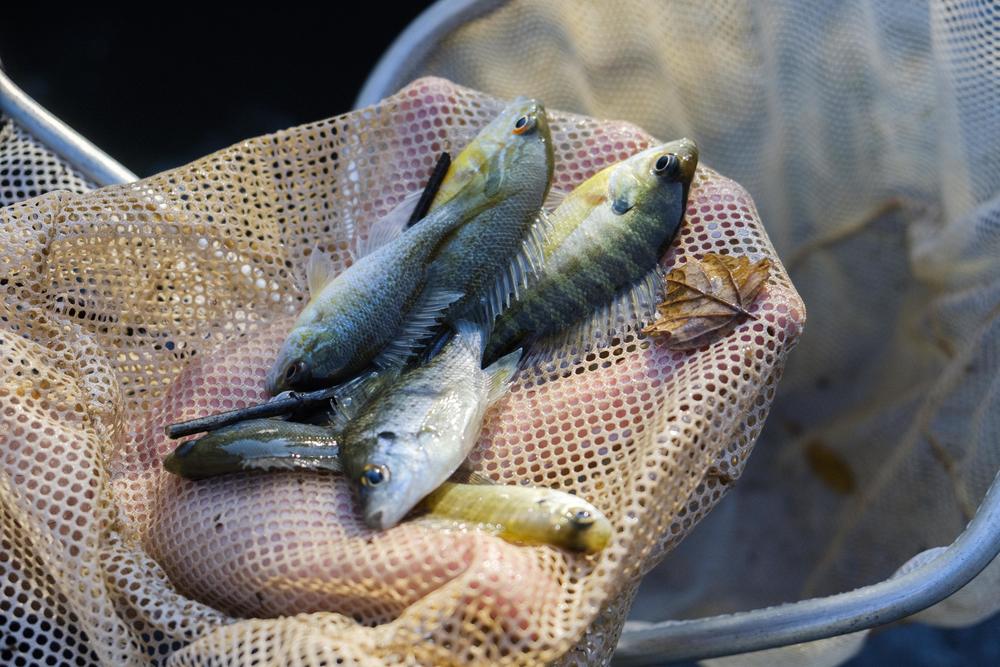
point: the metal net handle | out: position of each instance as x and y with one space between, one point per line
887 601
60 138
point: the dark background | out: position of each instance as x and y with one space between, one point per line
166 84
162 86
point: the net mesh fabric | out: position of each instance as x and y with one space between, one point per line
137 305
867 132
29 169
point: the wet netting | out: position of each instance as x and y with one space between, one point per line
868 134
134 306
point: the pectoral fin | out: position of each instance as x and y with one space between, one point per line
388 227
501 372
320 270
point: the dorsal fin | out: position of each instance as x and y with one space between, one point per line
388 227
419 325
320 270
631 309
519 272
554 197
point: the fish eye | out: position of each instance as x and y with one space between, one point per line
667 165
294 370
386 435
374 474
581 516
524 124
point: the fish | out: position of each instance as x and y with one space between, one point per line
381 310
518 514
376 311
524 515
493 256
255 444
601 253
410 434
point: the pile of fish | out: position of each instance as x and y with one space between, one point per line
488 275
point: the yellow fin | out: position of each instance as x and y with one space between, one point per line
320 270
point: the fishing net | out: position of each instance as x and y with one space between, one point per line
134 306
868 133
29 169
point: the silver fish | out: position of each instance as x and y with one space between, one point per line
413 433
385 304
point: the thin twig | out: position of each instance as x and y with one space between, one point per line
431 189
287 403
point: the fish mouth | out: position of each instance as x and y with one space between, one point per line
686 151
171 464
382 517
374 520
274 383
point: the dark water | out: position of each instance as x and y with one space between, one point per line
162 86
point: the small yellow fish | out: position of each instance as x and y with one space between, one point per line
528 515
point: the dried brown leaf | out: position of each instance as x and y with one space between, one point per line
706 296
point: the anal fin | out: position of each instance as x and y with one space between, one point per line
501 372
466 476
631 309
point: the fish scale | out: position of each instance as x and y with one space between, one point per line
408 436
597 256
473 258
385 305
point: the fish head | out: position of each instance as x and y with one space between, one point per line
589 530
518 139
312 357
654 180
389 487
175 460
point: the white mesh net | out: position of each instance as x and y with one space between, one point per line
139 305
867 132
29 169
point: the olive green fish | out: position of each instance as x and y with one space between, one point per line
489 259
391 298
602 252
378 306
406 438
255 444
523 514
